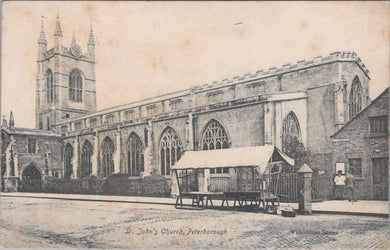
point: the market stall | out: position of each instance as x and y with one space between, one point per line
234 174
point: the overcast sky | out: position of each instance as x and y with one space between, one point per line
145 49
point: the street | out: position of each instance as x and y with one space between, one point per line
50 223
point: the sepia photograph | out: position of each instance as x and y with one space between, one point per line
195 125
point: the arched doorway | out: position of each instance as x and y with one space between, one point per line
31 179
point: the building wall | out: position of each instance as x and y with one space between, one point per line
251 108
46 157
244 125
356 141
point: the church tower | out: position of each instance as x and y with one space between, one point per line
65 85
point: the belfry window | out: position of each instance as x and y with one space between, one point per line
355 98
170 150
75 86
49 86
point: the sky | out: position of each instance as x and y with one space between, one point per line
144 49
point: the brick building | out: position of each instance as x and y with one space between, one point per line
362 145
305 102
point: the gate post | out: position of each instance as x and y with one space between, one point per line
305 173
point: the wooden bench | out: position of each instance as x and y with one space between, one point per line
197 198
240 198
268 201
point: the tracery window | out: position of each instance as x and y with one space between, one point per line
291 134
49 86
108 149
68 155
215 137
356 98
75 86
86 163
170 150
135 156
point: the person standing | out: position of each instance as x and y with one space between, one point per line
350 185
339 182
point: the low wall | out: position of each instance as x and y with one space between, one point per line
117 184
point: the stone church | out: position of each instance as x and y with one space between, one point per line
305 102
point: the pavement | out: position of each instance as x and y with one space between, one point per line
361 207
30 222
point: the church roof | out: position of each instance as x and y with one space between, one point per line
30 131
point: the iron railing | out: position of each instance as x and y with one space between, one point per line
287 185
226 184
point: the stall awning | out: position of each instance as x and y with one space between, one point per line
256 157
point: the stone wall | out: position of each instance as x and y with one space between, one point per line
355 141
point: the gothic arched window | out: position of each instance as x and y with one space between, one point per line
86 163
214 136
68 155
355 98
75 86
49 86
291 133
108 149
135 157
170 150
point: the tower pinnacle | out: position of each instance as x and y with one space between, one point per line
91 40
73 39
58 31
11 120
42 37
75 49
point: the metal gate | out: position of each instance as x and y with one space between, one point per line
287 186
